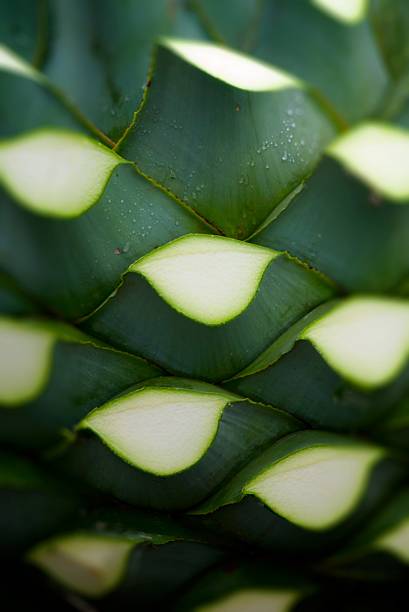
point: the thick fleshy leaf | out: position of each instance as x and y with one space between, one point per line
320 397
20 82
259 506
170 442
12 300
350 373
161 431
340 227
235 165
253 599
315 488
137 319
21 27
390 20
320 41
88 564
396 541
258 586
33 505
381 549
129 218
214 142
125 558
232 21
394 429
99 53
312 479
39 361
364 339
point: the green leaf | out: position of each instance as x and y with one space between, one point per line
162 431
390 19
230 136
21 26
99 54
89 252
233 21
340 58
279 600
247 586
340 227
335 388
20 82
33 505
136 319
89 564
258 504
364 339
381 549
320 398
280 487
124 558
332 473
394 428
389 531
170 442
12 300
40 360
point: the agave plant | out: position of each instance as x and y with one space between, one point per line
204 313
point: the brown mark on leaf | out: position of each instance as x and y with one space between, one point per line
375 199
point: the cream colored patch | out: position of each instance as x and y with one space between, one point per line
379 155
91 565
232 67
254 600
56 172
208 278
163 431
316 487
25 360
366 340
